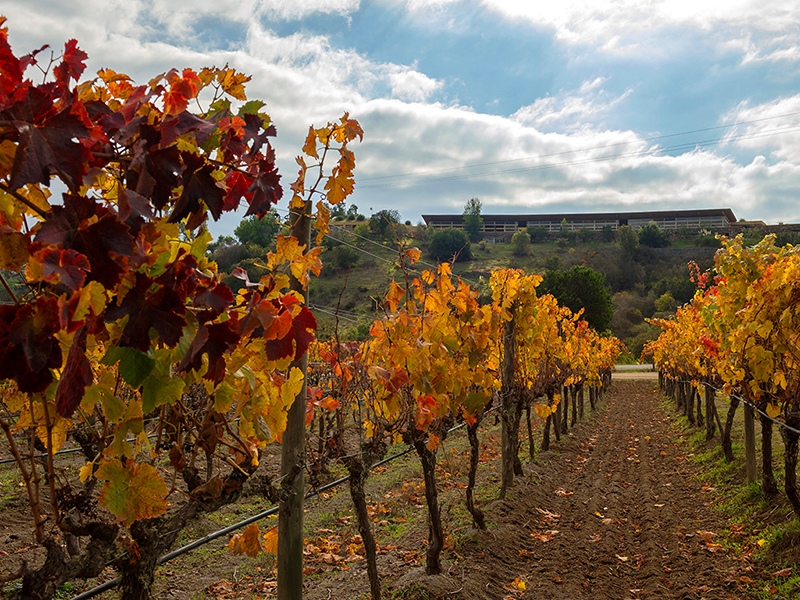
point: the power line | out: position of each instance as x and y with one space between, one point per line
636 154
586 149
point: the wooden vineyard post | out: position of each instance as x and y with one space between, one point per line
507 400
290 515
749 443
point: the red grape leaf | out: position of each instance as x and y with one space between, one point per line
161 310
28 349
76 376
198 184
48 141
265 189
296 340
71 64
214 340
63 266
10 67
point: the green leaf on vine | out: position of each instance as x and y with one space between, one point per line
132 494
158 390
134 366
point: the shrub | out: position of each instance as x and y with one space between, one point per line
520 242
447 243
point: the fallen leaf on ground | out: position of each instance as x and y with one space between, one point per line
546 536
622 558
782 573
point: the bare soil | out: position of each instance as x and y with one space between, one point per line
615 510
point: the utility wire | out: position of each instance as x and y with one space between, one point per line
252 519
636 154
743 401
587 149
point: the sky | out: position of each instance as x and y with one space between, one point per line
532 107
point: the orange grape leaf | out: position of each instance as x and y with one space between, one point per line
13 249
433 441
546 536
271 541
413 255
133 493
248 542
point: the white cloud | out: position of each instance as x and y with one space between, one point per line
571 109
550 155
772 127
634 26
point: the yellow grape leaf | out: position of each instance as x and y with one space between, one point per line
86 472
232 83
339 185
13 249
519 584
773 411
132 494
291 387
223 398
321 223
12 397
248 542
287 249
91 297
60 425
271 541
37 196
310 147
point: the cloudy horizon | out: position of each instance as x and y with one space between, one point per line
577 106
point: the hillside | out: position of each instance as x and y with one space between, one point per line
645 283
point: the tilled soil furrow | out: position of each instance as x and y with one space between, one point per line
612 511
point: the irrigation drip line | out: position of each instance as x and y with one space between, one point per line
743 401
73 450
108 585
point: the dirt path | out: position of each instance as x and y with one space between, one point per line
631 520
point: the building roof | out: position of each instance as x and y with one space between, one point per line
655 215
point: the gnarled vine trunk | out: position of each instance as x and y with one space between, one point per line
433 563
790 439
768 484
358 467
727 446
478 518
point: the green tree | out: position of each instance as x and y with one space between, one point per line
652 235
666 303
257 231
447 243
628 239
582 288
344 257
520 242
381 223
473 221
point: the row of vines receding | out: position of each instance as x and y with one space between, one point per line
739 335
